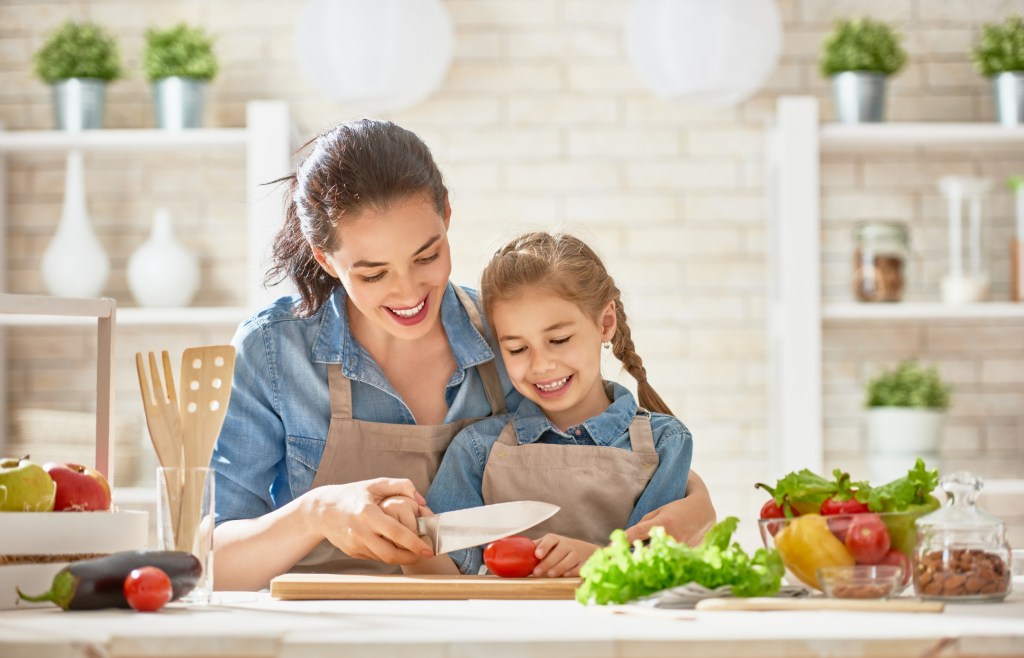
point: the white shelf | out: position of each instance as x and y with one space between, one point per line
871 136
798 314
128 317
122 140
843 311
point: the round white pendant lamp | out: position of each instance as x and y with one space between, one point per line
707 52
377 55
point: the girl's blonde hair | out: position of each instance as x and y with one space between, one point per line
566 266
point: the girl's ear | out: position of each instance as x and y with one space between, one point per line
318 254
608 322
447 212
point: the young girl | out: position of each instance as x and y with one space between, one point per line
575 440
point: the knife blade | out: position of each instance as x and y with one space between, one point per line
452 531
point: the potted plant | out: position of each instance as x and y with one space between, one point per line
859 55
179 61
906 406
78 60
999 55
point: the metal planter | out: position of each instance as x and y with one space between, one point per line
859 96
178 103
78 104
1009 97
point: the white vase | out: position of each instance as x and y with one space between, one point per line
897 436
75 263
162 272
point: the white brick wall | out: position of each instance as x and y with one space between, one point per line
542 124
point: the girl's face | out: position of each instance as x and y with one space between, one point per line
394 265
552 352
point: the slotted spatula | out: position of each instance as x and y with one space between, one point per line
205 391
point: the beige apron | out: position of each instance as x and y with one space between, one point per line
603 483
360 450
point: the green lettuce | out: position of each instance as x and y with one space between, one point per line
621 572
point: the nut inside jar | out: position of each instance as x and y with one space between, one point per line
961 573
878 278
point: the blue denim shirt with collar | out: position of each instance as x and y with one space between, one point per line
276 424
459 481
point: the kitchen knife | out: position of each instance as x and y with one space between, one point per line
452 531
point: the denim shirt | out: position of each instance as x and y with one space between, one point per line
459 481
276 424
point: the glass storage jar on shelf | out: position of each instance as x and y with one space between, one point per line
962 554
879 261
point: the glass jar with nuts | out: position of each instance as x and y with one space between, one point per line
879 261
962 554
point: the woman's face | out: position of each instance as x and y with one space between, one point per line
552 352
394 264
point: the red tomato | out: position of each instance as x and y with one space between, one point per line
833 506
511 557
899 559
147 589
770 510
867 538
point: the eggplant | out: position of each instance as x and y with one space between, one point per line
99 583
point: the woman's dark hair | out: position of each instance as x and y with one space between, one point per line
352 167
567 267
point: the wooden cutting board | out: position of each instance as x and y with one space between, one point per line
862 605
322 586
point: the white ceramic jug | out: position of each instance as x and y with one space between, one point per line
162 272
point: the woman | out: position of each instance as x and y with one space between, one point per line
350 393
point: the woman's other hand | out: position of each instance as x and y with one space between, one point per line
353 518
686 519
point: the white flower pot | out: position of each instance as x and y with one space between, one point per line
897 436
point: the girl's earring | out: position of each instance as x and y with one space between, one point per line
607 345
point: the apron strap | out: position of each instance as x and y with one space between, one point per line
487 371
340 391
641 438
508 436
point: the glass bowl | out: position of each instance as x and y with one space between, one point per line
811 542
860 581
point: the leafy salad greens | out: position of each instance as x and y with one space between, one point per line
621 572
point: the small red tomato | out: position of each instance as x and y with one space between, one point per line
770 510
147 589
898 559
867 538
511 557
833 506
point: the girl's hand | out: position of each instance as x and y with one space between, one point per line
561 556
351 517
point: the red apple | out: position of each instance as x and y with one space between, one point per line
79 488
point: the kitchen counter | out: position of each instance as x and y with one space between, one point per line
246 624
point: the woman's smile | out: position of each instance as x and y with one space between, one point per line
410 315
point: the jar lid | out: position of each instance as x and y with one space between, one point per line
880 230
960 511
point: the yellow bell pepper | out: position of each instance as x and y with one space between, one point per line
806 544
